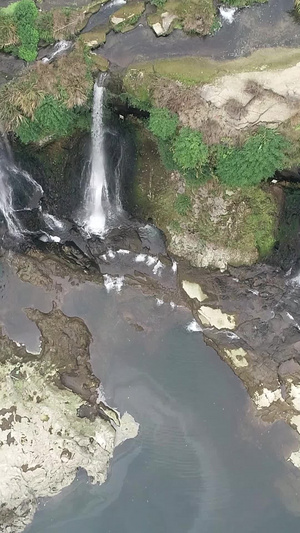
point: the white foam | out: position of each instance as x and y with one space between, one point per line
49 238
52 221
232 336
227 13
141 258
104 257
151 260
174 266
158 268
123 252
111 254
173 305
159 302
111 283
193 326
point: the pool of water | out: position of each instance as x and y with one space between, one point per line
202 461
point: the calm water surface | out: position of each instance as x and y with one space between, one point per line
201 462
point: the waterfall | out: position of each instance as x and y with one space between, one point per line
18 191
97 204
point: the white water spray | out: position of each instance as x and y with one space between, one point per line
96 199
18 191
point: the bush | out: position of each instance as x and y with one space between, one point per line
25 15
45 27
163 123
189 150
182 204
259 158
52 118
158 3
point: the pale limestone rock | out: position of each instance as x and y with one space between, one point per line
43 442
295 395
194 290
237 356
266 397
117 20
158 29
216 318
166 20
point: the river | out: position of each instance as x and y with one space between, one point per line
202 460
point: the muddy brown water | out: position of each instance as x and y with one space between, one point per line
202 461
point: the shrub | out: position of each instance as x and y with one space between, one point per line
158 3
182 204
189 150
45 27
51 118
259 158
163 123
25 15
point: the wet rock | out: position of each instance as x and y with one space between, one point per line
10 67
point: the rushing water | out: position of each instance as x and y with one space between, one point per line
201 462
18 191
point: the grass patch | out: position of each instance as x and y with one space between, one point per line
199 70
193 16
66 84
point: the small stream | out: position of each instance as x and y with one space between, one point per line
260 26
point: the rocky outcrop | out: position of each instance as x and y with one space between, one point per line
251 317
50 420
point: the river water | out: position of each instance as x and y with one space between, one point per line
202 460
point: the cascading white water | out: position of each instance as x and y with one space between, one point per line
18 191
96 200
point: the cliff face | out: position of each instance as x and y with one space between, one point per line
214 220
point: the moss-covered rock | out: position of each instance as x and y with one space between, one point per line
127 17
96 37
218 225
193 16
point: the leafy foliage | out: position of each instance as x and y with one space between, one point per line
182 204
158 3
45 27
25 15
189 150
259 158
51 118
163 123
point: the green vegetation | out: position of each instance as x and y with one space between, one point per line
49 100
129 16
163 123
158 3
193 16
44 26
51 119
142 77
183 204
257 160
241 220
25 15
189 150
127 25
